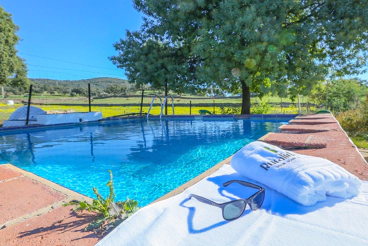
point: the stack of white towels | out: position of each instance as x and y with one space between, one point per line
305 179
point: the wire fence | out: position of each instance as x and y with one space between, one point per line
90 99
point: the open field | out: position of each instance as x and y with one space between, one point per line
107 111
147 98
112 106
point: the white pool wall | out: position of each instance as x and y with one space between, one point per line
50 119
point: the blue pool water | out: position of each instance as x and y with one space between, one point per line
148 159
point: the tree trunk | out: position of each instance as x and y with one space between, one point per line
245 98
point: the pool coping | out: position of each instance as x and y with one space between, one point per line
210 171
79 196
72 195
34 211
153 117
193 181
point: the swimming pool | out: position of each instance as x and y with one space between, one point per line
148 158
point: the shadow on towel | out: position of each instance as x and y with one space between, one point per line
274 203
191 214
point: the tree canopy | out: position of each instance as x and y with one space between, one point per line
340 95
278 46
155 61
13 70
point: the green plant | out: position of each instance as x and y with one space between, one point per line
360 140
263 107
130 206
355 123
230 110
109 210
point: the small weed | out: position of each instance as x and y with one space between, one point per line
111 213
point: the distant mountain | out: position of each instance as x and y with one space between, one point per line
96 83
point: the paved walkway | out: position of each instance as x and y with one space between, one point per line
32 213
322 136
31 207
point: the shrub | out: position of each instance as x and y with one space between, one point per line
263 107
230 110
355 121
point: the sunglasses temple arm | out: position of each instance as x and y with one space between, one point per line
204 200
242 183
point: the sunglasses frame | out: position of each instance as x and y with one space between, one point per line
223 205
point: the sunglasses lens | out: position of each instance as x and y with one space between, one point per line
257 201
234 210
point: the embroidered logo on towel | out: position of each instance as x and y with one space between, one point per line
277 162
269 149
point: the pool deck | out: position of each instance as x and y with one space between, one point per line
327 140
31 207
32 212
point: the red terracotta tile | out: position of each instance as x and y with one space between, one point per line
287 140
62 227
307 128
6 173
314 116
24 195
58 227
311 121
338 147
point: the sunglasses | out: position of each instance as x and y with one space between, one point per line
234 209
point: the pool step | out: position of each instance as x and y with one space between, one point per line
311 121
308 139
294 141
306 128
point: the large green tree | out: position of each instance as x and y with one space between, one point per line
13 70
117 89
339 94
150 59
279 46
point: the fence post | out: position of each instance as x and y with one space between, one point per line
298 104
327 96
89 96
308 106
190 107
29 104
166 91
142 101
281 105
213 106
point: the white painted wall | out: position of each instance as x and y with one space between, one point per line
50 119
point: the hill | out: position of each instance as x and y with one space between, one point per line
96 83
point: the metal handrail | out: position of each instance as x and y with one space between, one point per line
164 103
153 100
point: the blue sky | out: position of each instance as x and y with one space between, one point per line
57 36
72 39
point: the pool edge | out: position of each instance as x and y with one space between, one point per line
193 181
205 174
70 194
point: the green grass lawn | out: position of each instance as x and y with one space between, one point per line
62 103
360 141
147 98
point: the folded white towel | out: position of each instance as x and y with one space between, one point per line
305 179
